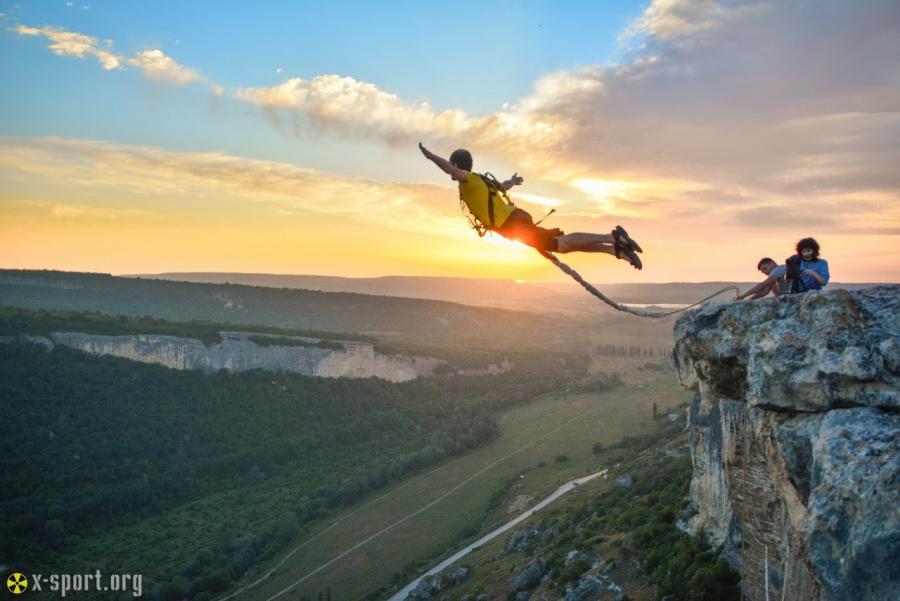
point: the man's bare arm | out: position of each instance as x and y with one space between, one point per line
765 291
455 172
763 287
815 275
515 180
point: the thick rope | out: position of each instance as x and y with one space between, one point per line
639 312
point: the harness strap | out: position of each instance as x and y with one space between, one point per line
494 189
491 207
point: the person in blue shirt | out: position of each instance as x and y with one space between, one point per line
775 281
813 270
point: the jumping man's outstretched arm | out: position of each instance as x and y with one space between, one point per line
455 172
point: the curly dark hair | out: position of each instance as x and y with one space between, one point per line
462 159
809 243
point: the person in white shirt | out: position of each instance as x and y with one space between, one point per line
775 281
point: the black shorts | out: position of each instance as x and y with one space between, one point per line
520 226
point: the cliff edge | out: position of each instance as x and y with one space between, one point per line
795 440
243 351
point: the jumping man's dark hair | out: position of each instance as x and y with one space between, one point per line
462 159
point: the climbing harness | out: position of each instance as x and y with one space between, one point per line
619 307
495 189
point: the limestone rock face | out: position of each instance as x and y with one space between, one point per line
795 440
238 352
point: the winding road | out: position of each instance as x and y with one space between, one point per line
402 593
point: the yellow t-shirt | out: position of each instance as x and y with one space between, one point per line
475 194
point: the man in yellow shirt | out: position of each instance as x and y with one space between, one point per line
494 214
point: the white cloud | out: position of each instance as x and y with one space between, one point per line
76 210
158 173
765 92
156 65
153 63
682 19
68 43
80 210
349 107
543 201
344 102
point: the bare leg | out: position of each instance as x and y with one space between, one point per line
591 243
596 243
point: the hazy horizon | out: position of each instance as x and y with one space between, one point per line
562 280
540 297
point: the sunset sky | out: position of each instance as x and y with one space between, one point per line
280 137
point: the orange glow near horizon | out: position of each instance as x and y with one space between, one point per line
85 206
306 246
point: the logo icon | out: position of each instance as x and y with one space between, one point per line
17 583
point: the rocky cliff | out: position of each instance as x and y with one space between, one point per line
239 351
795 440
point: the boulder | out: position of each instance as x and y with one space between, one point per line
594 588
576 555
530 577
460 574
427 587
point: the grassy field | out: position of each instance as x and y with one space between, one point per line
459 499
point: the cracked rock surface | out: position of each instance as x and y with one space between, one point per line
795 440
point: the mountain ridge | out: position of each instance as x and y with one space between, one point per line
468 290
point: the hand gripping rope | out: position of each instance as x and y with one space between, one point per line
639 312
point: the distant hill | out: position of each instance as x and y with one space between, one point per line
407 319
442 288
481 292
563 297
